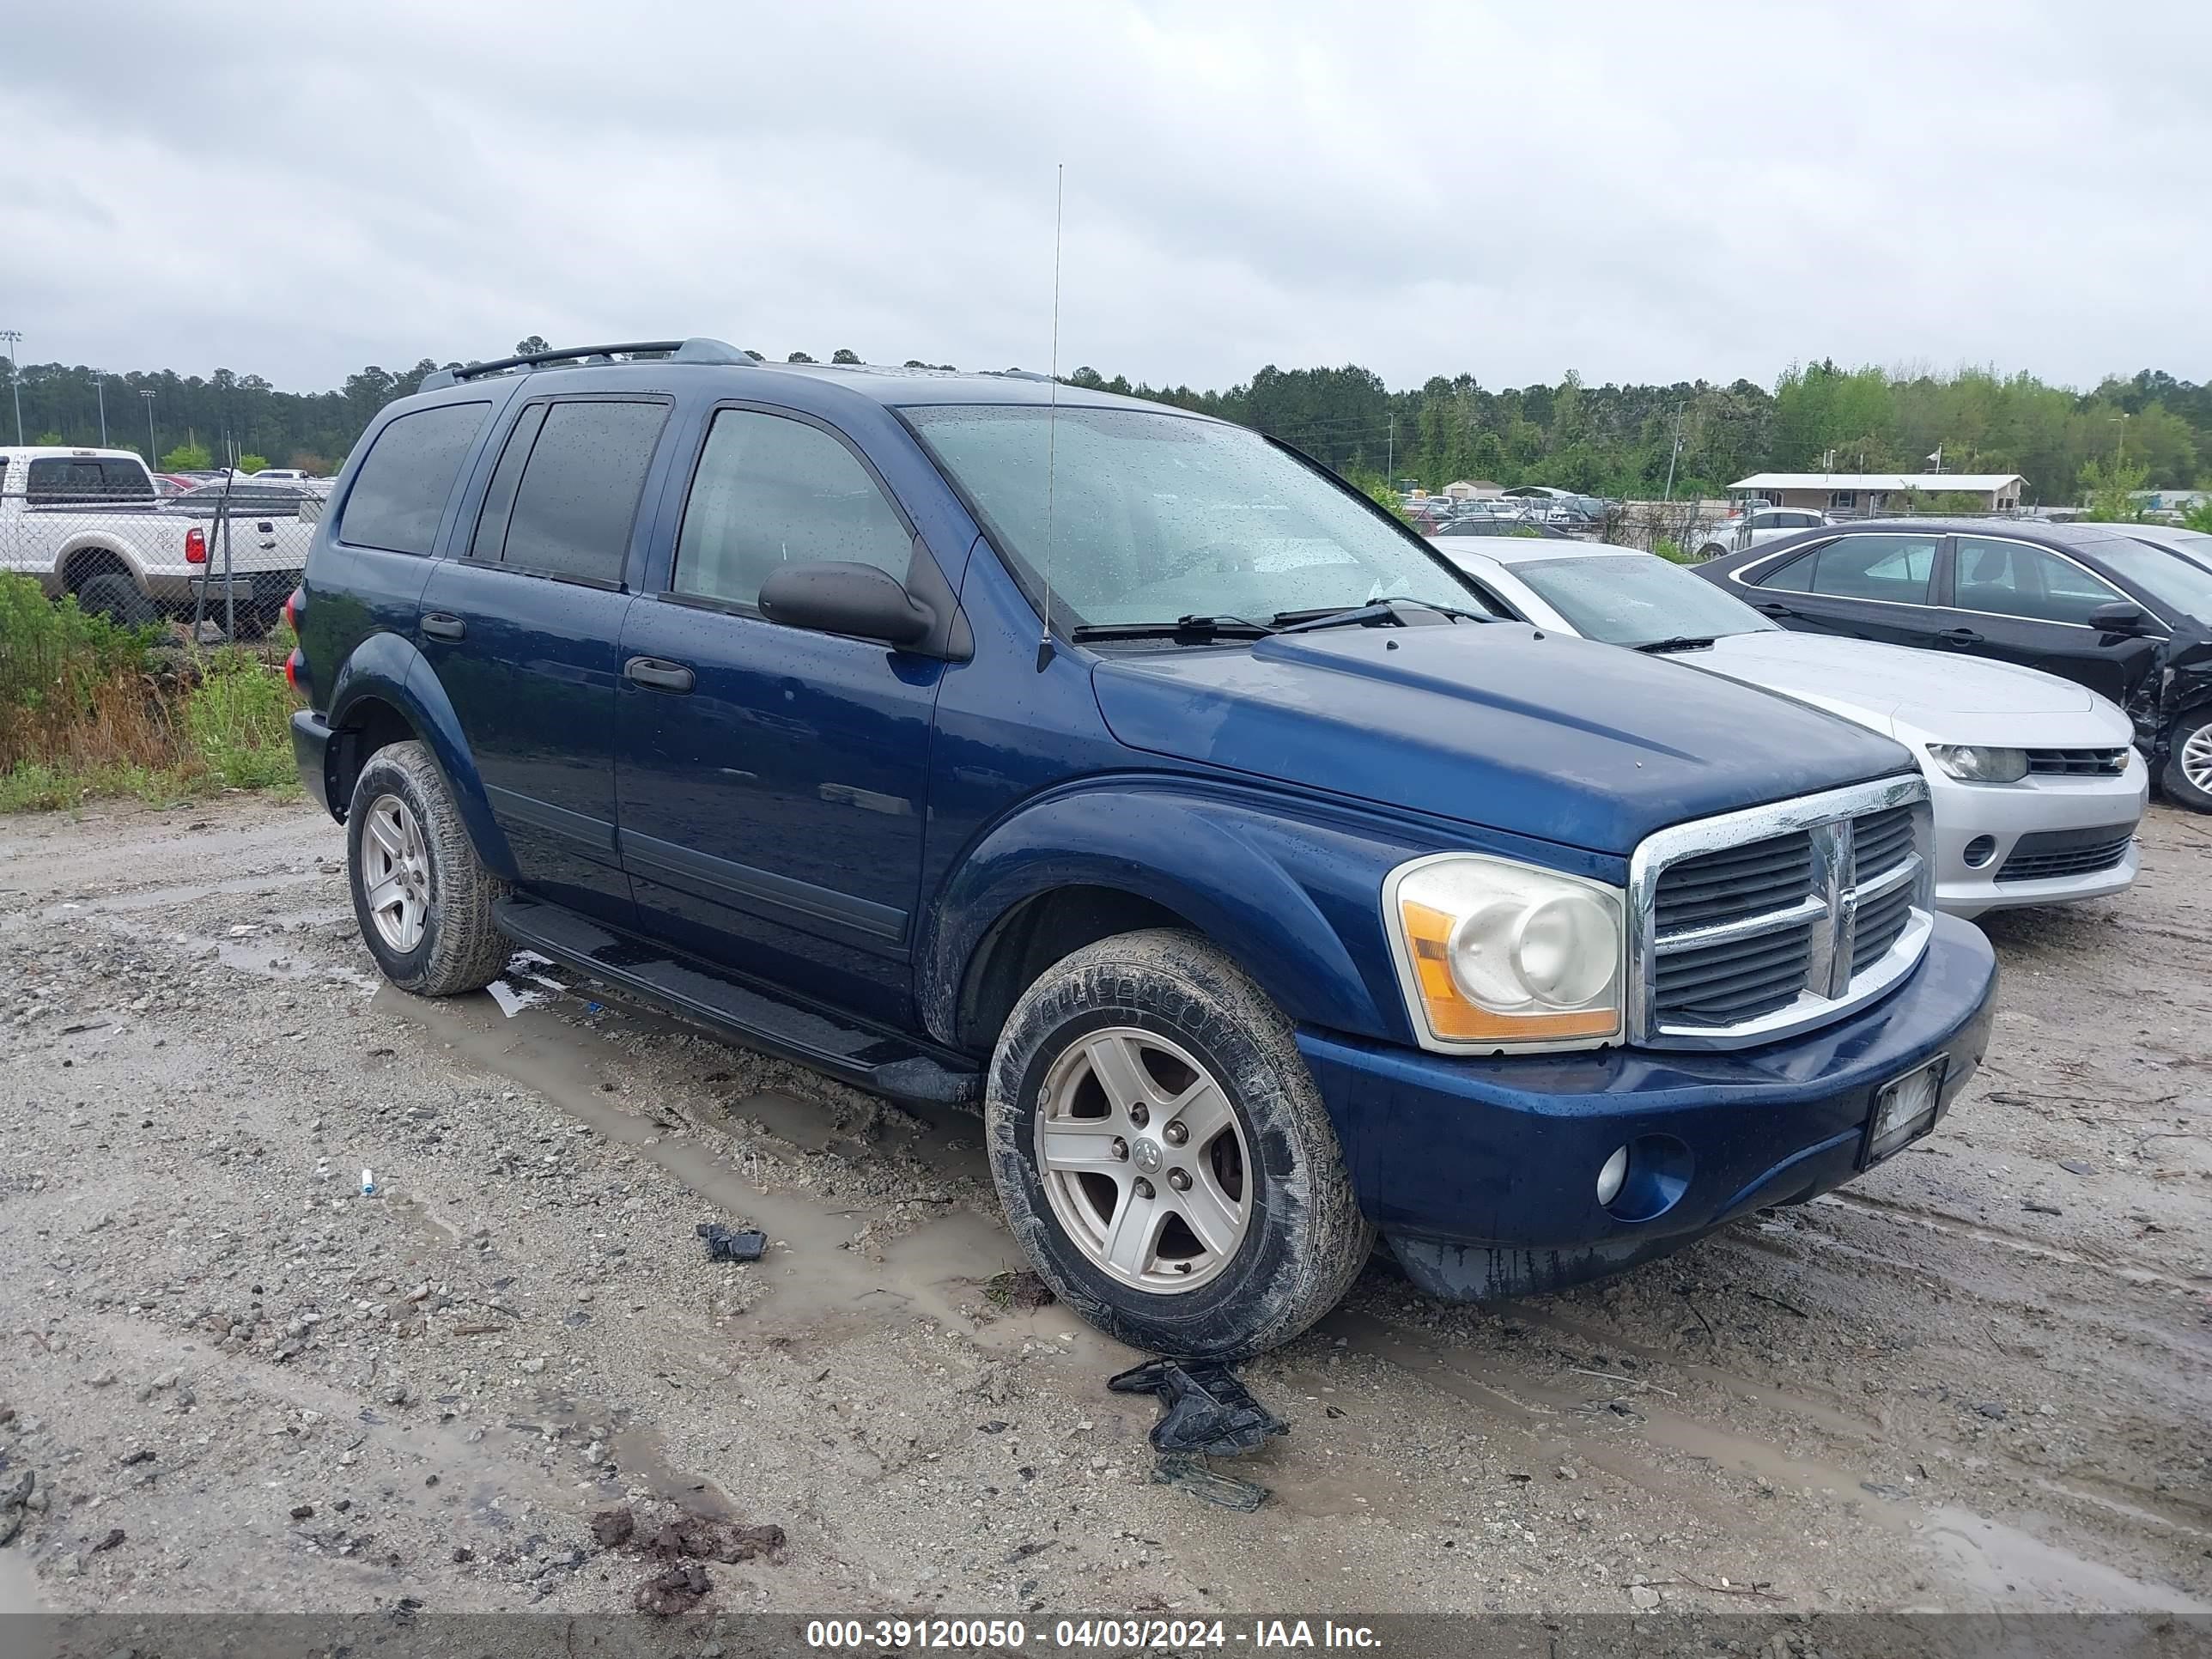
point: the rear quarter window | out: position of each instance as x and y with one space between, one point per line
398 494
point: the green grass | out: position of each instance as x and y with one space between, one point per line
238 720
89 710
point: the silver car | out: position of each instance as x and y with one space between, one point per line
2035 780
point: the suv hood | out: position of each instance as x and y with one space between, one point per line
1493 724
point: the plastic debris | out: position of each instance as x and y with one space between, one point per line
369 1183
730 1245
1208 1411
1181 1469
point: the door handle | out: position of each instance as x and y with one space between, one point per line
1775 609
661 676
1961 637
440 626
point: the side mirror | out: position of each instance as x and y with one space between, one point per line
2118 617
833 597
310 509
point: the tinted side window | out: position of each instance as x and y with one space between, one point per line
499 500
2011 579
770 492
400 493
577 497
1795 576
1892 568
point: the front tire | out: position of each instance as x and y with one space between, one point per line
422 900
2188 773
1164 1155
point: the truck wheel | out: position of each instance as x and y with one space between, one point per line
423 901
116 597
1164 1156
2188 775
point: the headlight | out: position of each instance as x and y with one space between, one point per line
1973 764
1495 954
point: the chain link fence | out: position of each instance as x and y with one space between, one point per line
215 561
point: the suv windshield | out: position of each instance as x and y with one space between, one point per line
1636 599
1158 517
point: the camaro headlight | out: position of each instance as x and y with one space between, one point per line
1496 954
1972 763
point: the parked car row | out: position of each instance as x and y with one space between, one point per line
2036 788
2124 610
1106 765
1538 505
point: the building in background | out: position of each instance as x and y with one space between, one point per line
1863 495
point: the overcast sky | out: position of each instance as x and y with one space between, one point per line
1647 193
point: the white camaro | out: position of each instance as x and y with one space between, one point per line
2036 783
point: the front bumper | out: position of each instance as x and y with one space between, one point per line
1482 1173
2003 812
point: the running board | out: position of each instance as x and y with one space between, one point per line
883 1062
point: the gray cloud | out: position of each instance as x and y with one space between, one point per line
1635 192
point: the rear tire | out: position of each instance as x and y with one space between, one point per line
1259 1233
422 899
113 595
2188 773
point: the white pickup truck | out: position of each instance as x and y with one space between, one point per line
88 522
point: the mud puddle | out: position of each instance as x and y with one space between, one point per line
813 1272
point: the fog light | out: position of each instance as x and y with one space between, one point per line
1612 1175
1981 850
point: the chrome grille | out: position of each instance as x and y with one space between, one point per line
1741 881
1766 922
2079 763
1879 921
1879 841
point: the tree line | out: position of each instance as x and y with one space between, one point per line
1618 441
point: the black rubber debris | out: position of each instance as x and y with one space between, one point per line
1181 1469
1208 1411
728 1244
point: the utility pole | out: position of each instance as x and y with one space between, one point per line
153 445
1390 454
1675 454
15 339
100 388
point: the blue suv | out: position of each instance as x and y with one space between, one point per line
1126 774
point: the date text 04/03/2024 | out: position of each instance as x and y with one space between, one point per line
1115 1634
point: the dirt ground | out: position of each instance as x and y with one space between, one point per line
1979 1378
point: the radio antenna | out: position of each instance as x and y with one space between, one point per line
1052 415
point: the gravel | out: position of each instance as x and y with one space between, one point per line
1977 1378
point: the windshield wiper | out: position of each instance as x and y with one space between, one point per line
1385 609
1198 629
1679 642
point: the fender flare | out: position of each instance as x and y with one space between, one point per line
97 541
1295 899
387 668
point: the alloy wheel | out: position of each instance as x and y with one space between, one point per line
1144 1160
396 872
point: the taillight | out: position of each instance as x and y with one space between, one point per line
196 545
293 664
294 605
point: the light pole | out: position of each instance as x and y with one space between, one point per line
15 339
153 448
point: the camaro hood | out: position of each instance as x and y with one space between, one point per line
1895 688
1495 724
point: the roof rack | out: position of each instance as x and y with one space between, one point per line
697 349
